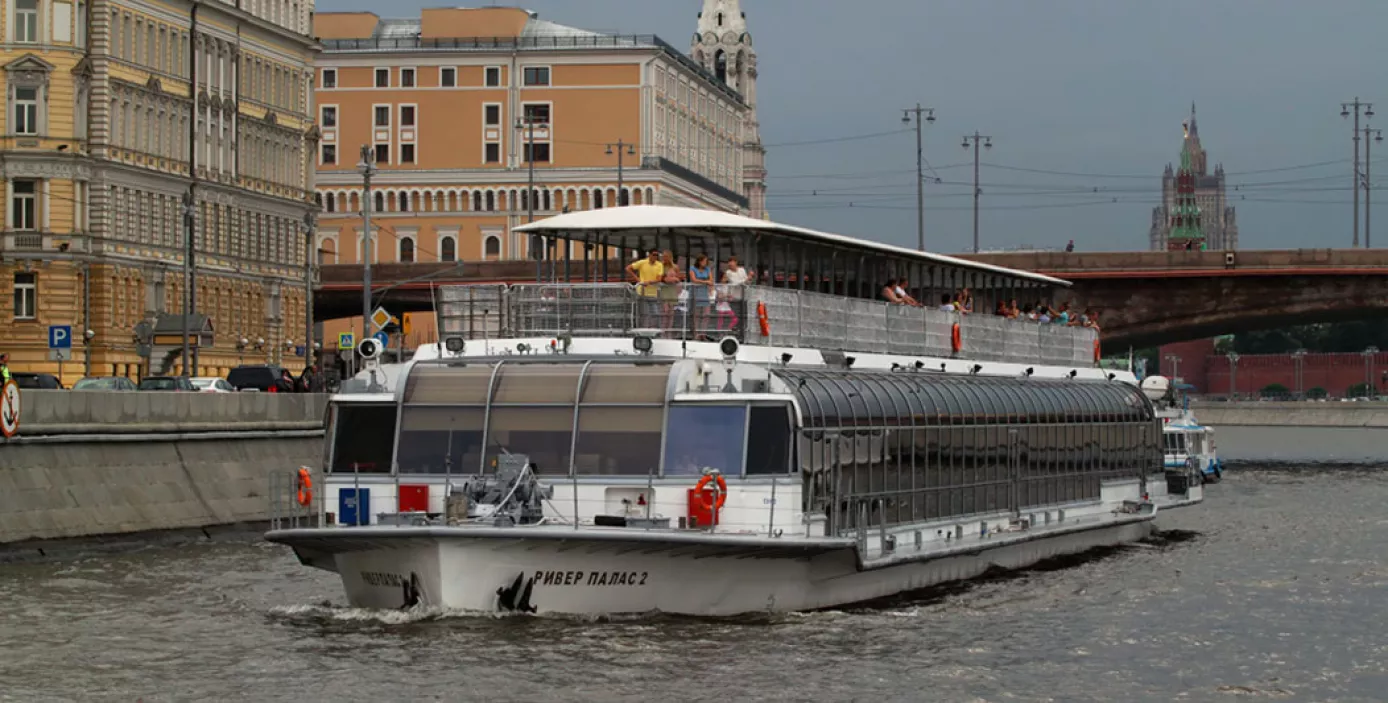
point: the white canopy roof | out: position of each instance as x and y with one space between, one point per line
663 217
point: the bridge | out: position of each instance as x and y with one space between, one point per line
1145 298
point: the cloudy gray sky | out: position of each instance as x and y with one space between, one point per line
1096 88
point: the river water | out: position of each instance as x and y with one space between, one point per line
1274 588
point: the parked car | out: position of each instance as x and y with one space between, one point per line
213 385
166 383
104 383
255 377
36 381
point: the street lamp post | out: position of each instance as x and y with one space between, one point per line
929 113
310 260
527 123
1369 385
1370 136
973 140
629 150
1299 359
367 168
1367 110
1233 375
1175 362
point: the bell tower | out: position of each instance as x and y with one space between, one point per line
724 47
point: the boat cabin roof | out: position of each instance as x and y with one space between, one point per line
641 227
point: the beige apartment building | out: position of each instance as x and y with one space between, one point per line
123 118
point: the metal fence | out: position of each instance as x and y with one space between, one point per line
794 319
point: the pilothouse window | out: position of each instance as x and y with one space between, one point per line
705 436
362 438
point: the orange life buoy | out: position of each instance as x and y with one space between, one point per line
955 339
761 319
722 492
1097 356
305 493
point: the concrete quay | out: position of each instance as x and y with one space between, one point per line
1291 414
96 464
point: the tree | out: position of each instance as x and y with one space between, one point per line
1316 393
1274 390
1359 390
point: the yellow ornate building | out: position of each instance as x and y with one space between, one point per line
125 118
454 104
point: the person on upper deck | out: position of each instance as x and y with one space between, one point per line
671 276
647 274
889 293
736 275
906 298
947 303
702 293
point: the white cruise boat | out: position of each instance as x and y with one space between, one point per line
1185 442
793 443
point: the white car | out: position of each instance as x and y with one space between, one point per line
213 385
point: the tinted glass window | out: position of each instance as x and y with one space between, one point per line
704 436
157 384
363 436
769 450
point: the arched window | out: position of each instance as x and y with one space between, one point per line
597 200
327 252
491 201
404 202
448 249
477 201
720 19
546 201
720 65
380 202
330 202
491 249
406 250
650 196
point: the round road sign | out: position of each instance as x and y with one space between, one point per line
9 409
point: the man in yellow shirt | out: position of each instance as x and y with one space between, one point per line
647 274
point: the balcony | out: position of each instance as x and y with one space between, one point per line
797 319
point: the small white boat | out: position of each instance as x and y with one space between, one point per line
559 453
1186 443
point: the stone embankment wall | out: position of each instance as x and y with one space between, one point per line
1292 414
89 464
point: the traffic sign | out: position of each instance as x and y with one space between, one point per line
380 318
9 409
346 341
60 354
383 338
406 324
299 350
60 336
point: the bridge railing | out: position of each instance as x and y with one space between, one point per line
794 318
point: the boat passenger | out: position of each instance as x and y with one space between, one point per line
702 293
647 274
905 297
735 276
1062 315
946 304
889 292
670 288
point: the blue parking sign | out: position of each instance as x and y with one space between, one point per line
60 336
383 338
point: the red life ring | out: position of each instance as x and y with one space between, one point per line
761 319
955 339
305 485
722 492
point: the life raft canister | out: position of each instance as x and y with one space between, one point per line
955 339
305 485
762 320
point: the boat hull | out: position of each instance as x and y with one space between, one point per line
479 572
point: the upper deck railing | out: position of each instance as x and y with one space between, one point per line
799 319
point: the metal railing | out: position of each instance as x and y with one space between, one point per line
799 319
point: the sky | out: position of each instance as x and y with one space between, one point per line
1083 99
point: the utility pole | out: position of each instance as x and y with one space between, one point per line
929 113
367 168
190 279
536 246
973 140
1368 111
1370 136
310 260
622 148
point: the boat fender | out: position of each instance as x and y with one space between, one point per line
762 319
722 492
305 485
955 339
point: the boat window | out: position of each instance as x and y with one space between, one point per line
537 383
705 436
626 384
438 440
769 451
362 438
455 385
616 441
543 434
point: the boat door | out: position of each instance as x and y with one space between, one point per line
1014 473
